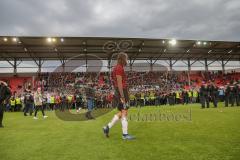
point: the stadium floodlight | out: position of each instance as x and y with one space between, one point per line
173 42
5 39
204 43
199 42
14 39
62 39
49 39
163 42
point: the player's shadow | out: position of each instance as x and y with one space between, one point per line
69 116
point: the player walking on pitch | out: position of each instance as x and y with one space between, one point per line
121 97
38 100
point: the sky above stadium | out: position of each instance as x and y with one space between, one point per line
181 19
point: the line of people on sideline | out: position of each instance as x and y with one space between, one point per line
26 102
138 96
208 92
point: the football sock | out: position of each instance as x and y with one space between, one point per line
124 126
114 120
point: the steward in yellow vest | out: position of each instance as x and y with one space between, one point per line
152 98
70 101
52 102
12 103
190 96
142 99
177 95
132 99
178 101
195 96
18 103
142 96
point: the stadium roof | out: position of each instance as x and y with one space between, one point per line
60 48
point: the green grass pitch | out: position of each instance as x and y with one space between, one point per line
212 133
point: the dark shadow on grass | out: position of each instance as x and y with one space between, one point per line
68 116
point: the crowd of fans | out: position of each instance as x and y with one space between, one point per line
69 90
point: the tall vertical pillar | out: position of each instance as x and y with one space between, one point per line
206 65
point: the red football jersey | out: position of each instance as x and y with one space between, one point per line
119 70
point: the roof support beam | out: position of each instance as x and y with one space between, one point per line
170 64
185 62
27 50
86 63
131 64
211 63
15 64
209 56
234 49
206 65
229 51
109 65
223 67
196 61
139 51
202 63
40 63
3 55
228 59
63 62
189 65
187 51
12 64
151 64
161 53
189 71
